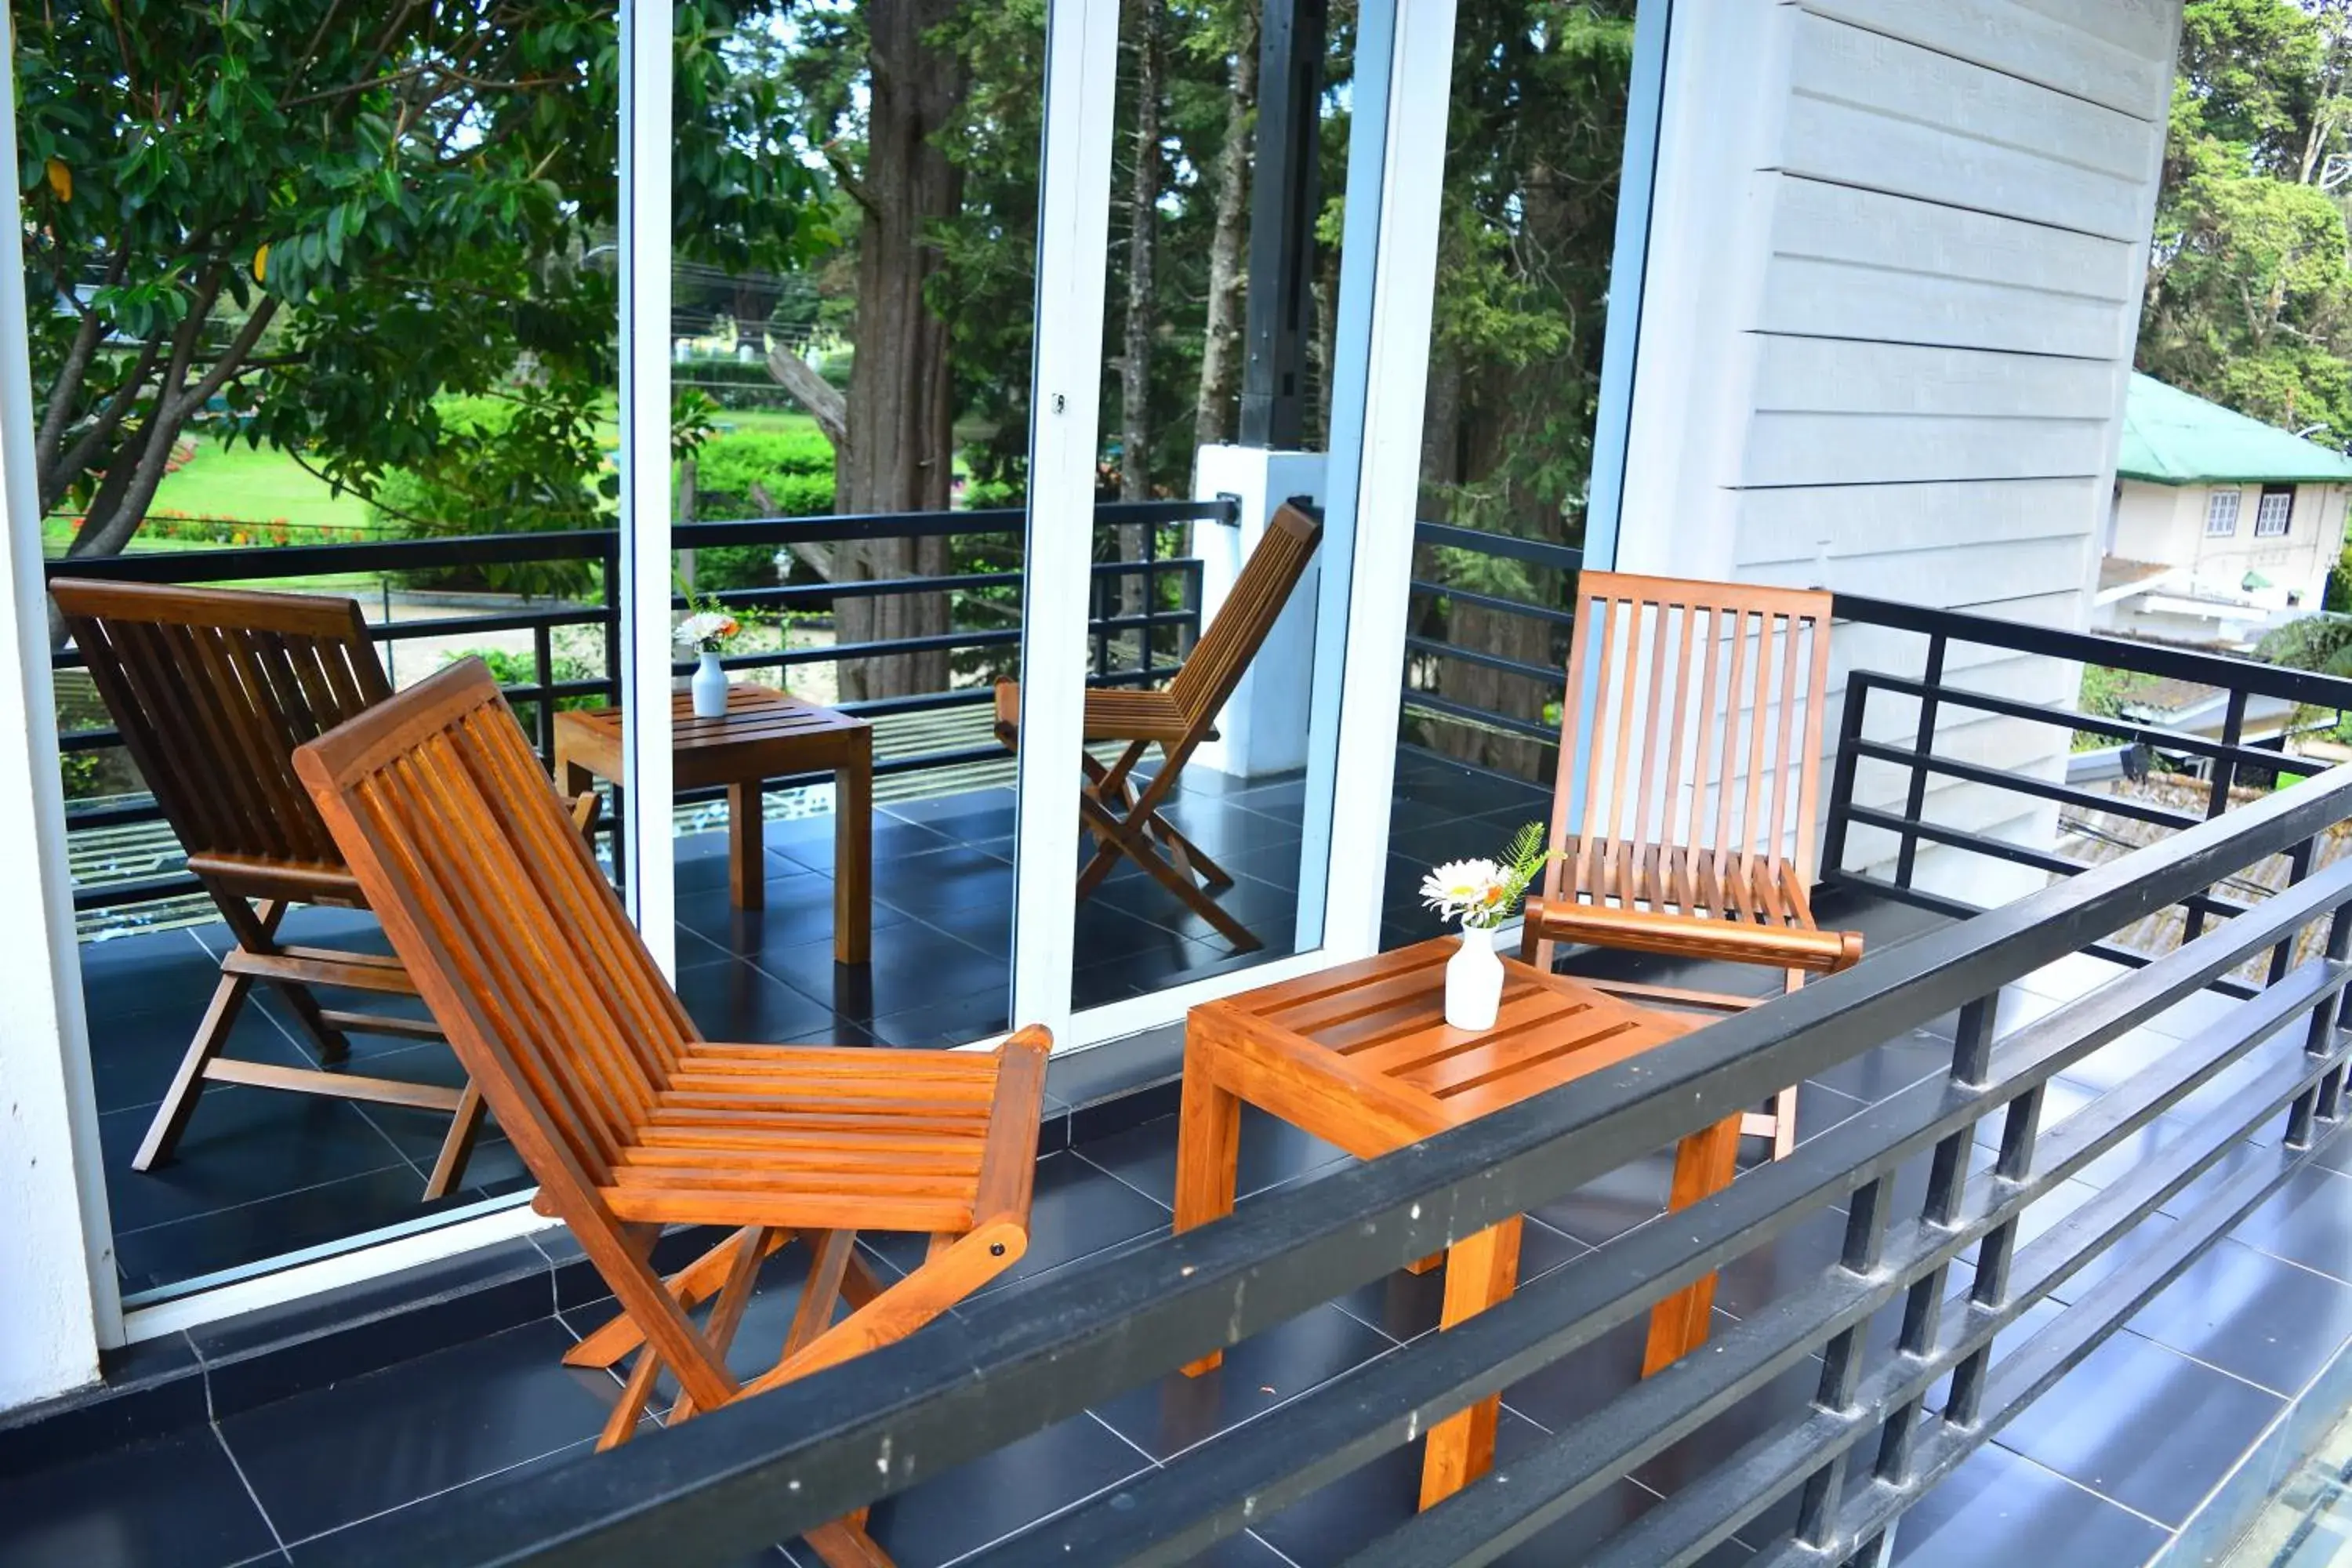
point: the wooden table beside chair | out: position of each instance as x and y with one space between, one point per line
765 734
1360 1055
1685 811
629 1119
211 689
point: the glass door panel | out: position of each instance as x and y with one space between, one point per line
336 392
855 222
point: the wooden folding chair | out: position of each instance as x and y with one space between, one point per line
211 691
627 1117
1698 778
1123 820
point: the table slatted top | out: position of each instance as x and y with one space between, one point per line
754 713
1385 1017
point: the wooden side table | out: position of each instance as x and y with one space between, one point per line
766 735
1360 1055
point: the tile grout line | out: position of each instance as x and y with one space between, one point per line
1150 1464
1084 1159
2082 1486
254 1497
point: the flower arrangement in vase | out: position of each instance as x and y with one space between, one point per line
1482 894
710 628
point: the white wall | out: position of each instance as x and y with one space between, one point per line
56 1260
1896 256
2166 524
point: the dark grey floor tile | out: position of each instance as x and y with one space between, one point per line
1223 827
2308 1220
1271 1153
2266 1320
799 910
1167 1417
1614 1203
967 817
272 1227
1077 1210
955 1022
1885 1068
2143 1425
241 1145
327 1458
737 1002
974 1504
171 1502
808 842
916 967
2000 1507
944 877
133 1056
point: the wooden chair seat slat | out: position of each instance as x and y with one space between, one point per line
1693 836
211 689
624 1115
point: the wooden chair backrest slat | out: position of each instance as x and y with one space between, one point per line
1698 771
212 691
1266 581
497 908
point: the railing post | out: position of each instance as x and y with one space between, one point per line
1150 594
1865 1243
2325 1097
1857 700
1947 1176
542 654
2217 801
1914 799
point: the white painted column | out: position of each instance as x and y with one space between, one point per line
1073 251
57 1297
646 648
1376 443
1265 725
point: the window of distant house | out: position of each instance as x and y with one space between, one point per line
2222 512
2274 512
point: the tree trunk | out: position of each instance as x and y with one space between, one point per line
1220 358
1143 315
899 412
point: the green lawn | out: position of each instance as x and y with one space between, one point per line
256 486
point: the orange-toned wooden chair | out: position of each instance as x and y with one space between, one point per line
211 691
1684 812
627 1117
1123 820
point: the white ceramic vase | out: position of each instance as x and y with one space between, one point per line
710 688
1474 981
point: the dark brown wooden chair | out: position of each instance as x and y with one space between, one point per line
211 691
1698 780
627 1117
1123 820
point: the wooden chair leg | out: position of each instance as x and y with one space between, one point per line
255 929
691 1285
180 1101
727 1313
1140 850
976 1258
842 1544
457 1148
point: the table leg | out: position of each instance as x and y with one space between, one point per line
1704 1164
1480 1270
853 853
1208 1155
577 780
747 832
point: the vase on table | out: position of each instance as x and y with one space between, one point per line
1474 981
710 688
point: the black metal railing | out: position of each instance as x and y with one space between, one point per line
1866 1447
1427 651
1937 695
1115 634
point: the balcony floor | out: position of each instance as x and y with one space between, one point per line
2103 1471
261 1173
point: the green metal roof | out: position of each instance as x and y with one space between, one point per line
2175 437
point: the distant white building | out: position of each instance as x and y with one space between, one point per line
2221 527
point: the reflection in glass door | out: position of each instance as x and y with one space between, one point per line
329 376
850 356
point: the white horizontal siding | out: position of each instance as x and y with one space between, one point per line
1856 520
1811 297
1882 448
2112 52
1831 222
1844 375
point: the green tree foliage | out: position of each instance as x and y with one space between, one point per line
314 221
2250 290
